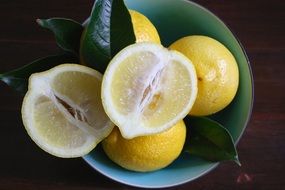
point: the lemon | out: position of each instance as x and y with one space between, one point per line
146 89
217 71
144 30
146 153
62 110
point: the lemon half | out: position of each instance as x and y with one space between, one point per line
146 89
62 110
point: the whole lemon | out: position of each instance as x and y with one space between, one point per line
217 72
144 30
146 153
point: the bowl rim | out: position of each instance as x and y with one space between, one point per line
89 162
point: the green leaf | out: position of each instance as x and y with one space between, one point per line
66 31
209 140
18 78
109 30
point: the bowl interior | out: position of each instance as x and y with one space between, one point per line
173 20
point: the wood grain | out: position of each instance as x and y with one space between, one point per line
259 25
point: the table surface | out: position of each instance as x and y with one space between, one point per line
260 26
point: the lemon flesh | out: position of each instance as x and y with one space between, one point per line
146 153
146 89
62 110
217 71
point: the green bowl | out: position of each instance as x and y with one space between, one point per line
175 19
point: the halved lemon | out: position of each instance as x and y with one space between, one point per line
147 89
62 110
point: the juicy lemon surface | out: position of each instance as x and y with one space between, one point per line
62 110
146 89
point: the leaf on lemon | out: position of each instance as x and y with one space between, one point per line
209 140
18 78
67 32
109 30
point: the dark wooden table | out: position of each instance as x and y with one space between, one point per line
260 26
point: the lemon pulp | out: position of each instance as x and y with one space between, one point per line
146 89
62 110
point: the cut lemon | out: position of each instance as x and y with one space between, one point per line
147 89
62 110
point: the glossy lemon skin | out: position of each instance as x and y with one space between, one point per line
217 72
146 153
144 30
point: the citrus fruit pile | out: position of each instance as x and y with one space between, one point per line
137 107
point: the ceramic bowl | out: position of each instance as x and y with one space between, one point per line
175 19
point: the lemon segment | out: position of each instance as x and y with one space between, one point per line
146 89
62 110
